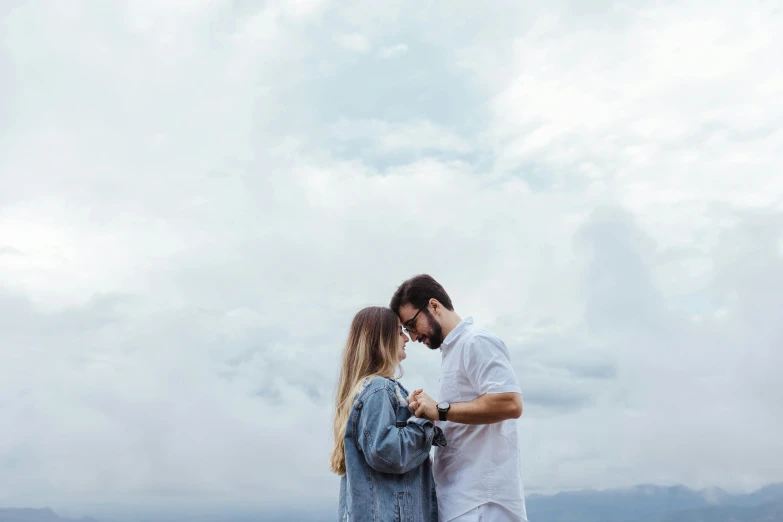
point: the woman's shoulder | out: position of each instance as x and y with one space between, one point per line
394 390
372 384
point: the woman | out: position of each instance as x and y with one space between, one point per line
381 450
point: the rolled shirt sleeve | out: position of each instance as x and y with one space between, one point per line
488 366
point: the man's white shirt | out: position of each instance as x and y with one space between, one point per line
480 463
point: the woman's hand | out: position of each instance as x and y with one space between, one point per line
422 405
412 398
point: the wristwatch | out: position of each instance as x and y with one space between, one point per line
443 409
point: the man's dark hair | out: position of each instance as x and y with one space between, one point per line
417 291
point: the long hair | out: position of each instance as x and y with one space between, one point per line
371 350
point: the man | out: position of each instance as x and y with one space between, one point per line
478 474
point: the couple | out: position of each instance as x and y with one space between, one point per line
383 435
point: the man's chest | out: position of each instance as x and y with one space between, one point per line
455 385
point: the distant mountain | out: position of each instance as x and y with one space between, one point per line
227 515
771 493
645 503
768 512
35 515
648 503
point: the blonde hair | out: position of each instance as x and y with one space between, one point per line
371 350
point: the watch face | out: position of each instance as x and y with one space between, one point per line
443 405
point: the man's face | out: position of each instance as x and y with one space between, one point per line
422 326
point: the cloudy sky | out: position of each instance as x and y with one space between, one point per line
197 196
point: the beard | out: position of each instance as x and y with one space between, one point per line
435 334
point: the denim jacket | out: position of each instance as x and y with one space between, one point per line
387 459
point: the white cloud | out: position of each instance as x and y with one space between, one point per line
666 90
187 229
407 137
393 51
353 42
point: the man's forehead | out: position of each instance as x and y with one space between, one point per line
406 311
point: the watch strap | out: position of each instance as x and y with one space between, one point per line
443 411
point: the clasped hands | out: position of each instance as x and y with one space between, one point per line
422 405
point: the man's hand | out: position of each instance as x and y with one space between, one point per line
422 405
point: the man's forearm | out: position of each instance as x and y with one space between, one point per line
487 409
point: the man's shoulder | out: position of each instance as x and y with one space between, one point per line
481 343
476 335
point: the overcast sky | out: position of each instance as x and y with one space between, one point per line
196 197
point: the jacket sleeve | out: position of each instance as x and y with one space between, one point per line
388 448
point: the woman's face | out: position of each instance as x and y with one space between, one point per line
401 355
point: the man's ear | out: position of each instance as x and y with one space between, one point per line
435 304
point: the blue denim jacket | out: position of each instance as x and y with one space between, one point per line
387 459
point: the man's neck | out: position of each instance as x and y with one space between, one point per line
449 322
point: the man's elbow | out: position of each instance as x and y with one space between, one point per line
515 407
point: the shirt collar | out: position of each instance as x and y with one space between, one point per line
455 334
